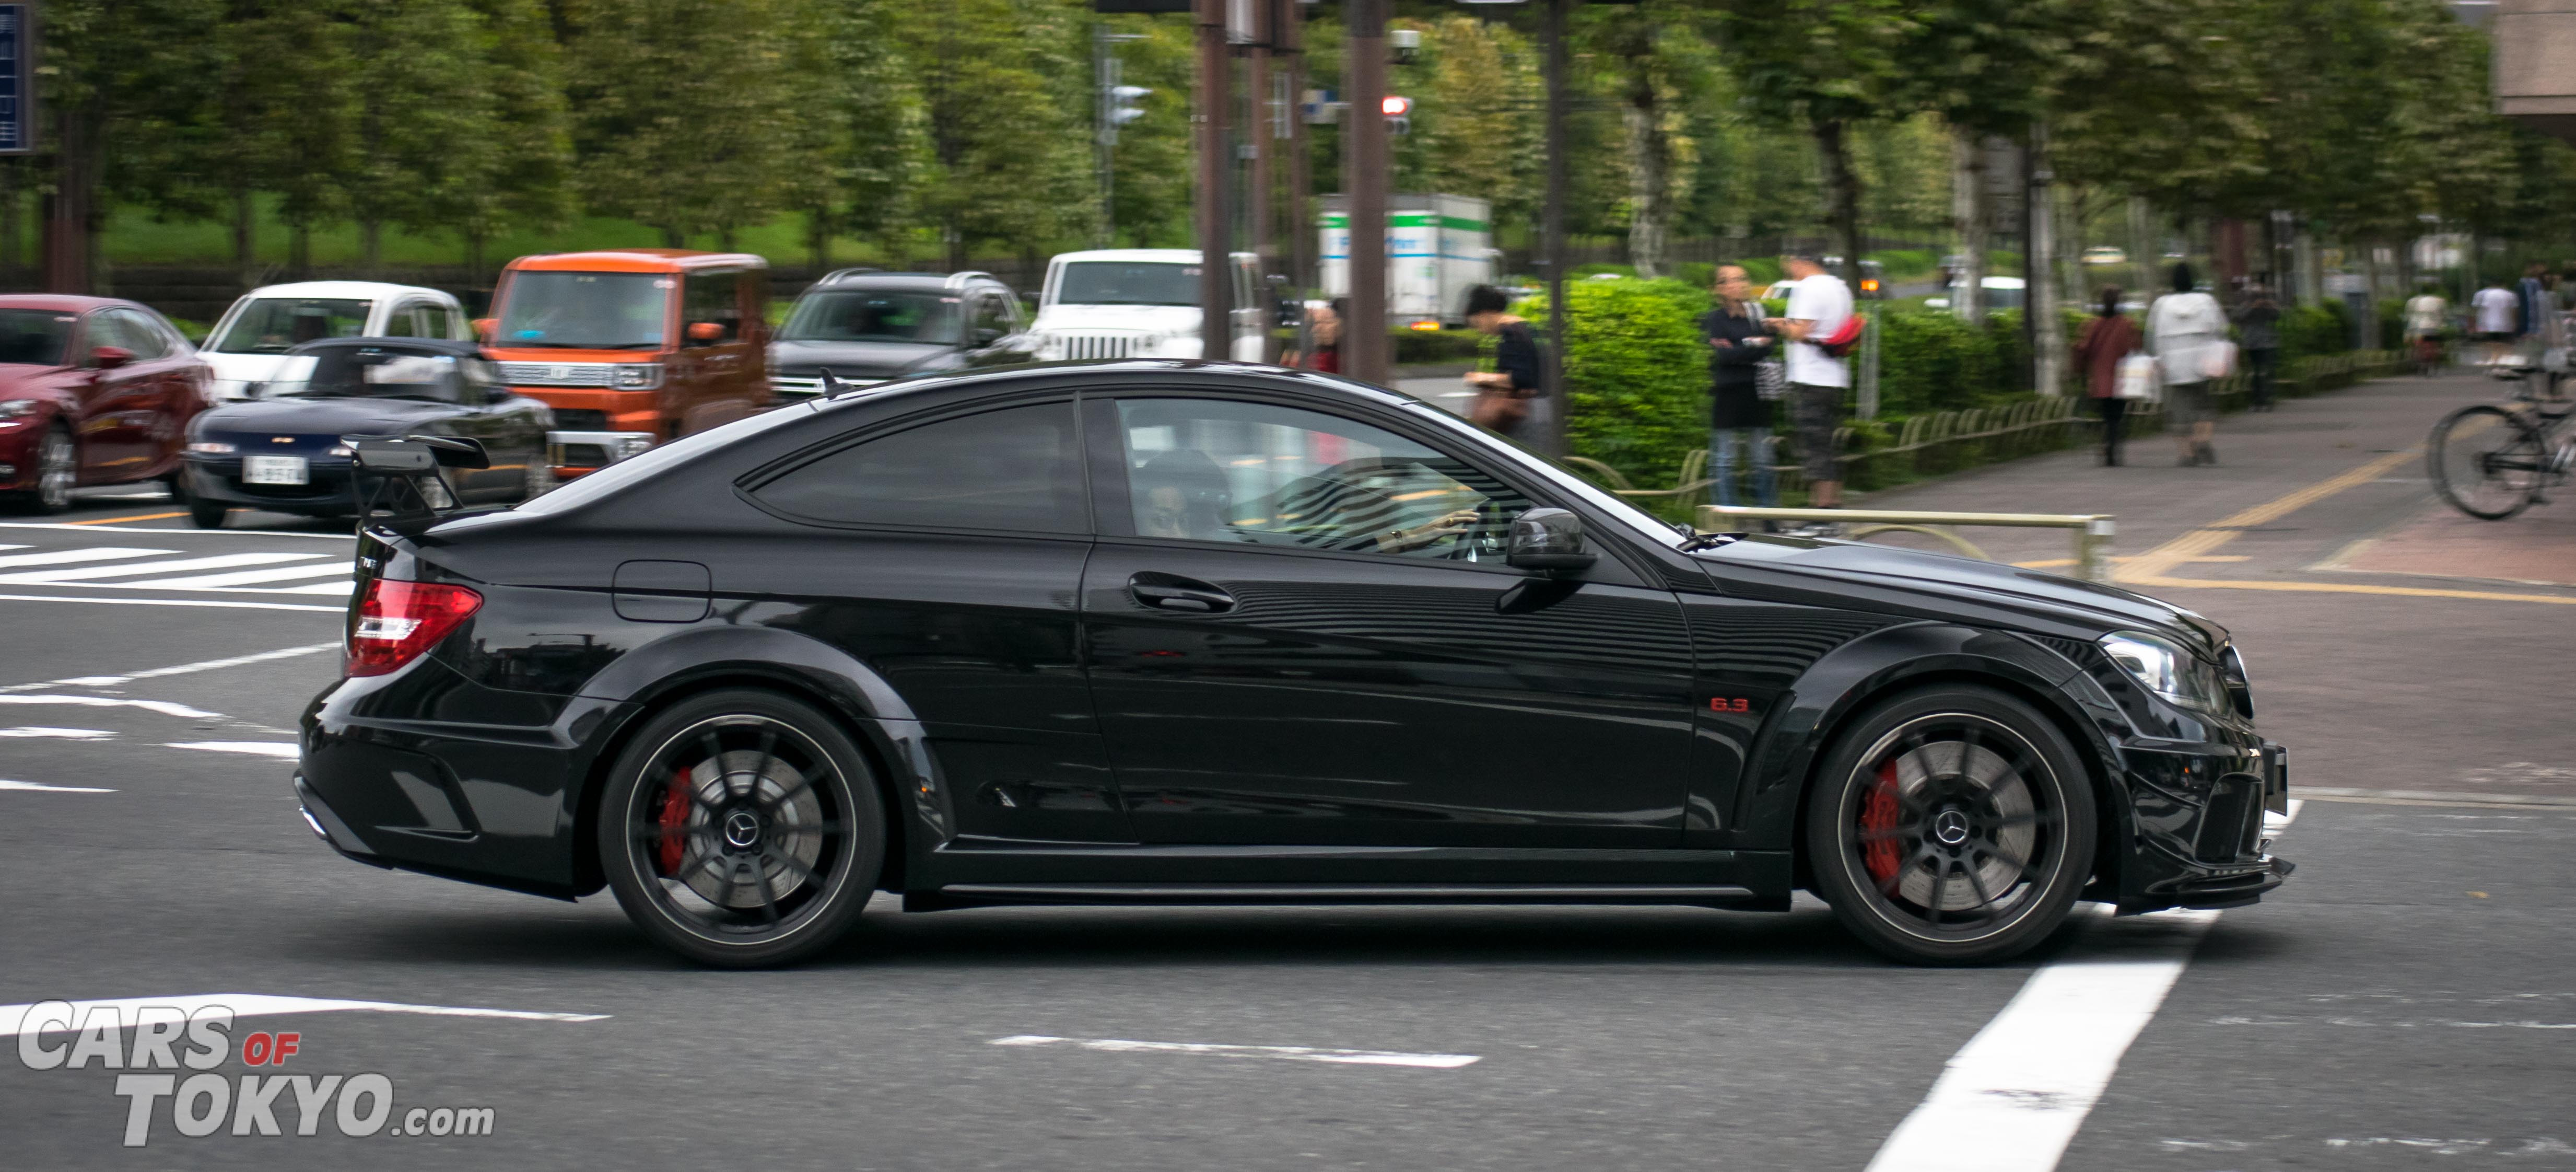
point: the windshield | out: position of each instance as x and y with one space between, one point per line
274 325
370 372
873 317
34 337
585 311
1127 282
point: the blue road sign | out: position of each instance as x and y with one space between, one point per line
17 80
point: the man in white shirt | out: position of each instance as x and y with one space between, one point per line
1819 304
2425 320
2498 314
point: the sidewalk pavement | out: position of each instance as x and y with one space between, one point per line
2318 540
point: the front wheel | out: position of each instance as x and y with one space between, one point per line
1951 825
2486 462
57 470
741 829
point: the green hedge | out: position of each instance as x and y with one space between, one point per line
1636 373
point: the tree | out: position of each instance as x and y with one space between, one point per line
123 82
1152 171
419 142
1009 161
684 111
1476 129
525 134
1830 65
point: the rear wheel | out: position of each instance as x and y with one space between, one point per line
1952 825
2486 462
741 828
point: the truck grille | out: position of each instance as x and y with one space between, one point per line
1077 347
558 374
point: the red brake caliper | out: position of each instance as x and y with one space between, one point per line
1877 822
674 815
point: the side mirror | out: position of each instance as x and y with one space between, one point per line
987 335
483 327
497 394
110 357
1549 541
705 331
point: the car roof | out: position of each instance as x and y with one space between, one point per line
636 260
1127 373
858 280
423 345
1186 256
344 290
63 302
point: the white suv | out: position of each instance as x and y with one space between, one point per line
1140 303
253 336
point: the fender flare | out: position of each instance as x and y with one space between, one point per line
1851 676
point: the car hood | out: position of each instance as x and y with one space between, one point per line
853 360
250 368
322 416
1968 579
1063 316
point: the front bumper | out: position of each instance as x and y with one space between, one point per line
2197 837
325 493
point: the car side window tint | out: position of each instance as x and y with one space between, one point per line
404 322
437 321
1018 468
106 328
713 297
989 314
141 336
1229 471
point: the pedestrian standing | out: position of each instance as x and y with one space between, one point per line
2107 339
1324 325
2427 317
2187 332
1739 343
2495 311
2258 330
1819 304
1503 394
2531 297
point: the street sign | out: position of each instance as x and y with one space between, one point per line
17 79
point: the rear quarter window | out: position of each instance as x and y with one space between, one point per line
1015 468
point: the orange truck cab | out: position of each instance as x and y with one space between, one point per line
631 347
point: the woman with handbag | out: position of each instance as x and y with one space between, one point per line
2109 340
1503 394
1744 377
2187 333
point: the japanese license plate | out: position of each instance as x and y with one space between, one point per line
274 470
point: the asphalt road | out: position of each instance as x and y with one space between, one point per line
2406 1001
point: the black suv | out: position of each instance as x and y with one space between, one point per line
866 326
1182 632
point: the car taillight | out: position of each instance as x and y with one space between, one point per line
399 620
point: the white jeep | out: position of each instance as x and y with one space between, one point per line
1140 303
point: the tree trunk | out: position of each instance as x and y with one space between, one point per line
473 258
1649 177
955 238
671 238
299 250
2142 250
2048 334
818 240
1968 225
371 247
11 227
724 238
245 237
1842 199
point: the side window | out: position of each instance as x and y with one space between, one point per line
1018 468
715 297
1218 470
438 321
404 321
990 315
106 328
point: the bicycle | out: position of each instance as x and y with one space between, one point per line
2493 462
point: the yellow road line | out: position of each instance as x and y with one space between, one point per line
122 520
2154 567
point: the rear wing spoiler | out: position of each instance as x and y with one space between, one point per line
400 479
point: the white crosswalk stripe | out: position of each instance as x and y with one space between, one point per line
133 568
103 553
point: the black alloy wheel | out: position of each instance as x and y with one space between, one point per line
741 828
1951 825
2486 461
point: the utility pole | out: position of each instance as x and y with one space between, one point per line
1289 31
1216 174
1551 231
1364 166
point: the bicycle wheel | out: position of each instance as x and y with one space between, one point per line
2486 461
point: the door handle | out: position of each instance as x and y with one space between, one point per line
1173 592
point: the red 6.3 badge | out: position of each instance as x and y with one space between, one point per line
1729 704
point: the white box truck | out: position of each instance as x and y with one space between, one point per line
1437 248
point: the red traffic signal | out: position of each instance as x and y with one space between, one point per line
1395 106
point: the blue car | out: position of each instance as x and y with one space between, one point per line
282 449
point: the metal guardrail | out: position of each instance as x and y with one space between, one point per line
2092 531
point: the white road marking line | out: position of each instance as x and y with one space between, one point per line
243 577
344 587
284 749
132 569
2012 1098
1293 1053
164 707
4 545
6 784
154 673
255 533
67 734
98 553
213 603
13 1018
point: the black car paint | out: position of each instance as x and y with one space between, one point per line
962 661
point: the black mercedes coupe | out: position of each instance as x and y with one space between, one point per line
1203 633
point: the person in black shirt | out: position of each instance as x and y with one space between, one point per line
1503 394
1738 414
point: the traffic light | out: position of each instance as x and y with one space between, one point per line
1122 109
1398 111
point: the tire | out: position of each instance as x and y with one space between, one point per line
206 514
57 472
2485 461
731 784
1915 770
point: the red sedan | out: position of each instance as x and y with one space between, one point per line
93 390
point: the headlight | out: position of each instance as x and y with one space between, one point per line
637 376
2167 670
210 448
17 408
